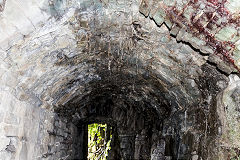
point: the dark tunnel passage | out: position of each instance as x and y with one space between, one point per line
147 123
134 107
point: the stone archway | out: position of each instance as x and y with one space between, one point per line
64 62
137 124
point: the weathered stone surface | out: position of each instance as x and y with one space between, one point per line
4 142
11 119
231 103
68 62
1 116
226 34
215 27
2 5
233 6
11 130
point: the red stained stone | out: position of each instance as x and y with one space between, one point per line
209 15
222 11
214 2
210 26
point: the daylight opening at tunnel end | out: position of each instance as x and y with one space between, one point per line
99 140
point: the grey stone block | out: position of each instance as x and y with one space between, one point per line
11 118
11 130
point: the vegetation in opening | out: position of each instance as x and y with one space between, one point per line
99 139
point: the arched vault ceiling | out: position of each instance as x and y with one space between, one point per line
98 44
212 26
86 46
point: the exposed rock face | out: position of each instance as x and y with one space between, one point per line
164 87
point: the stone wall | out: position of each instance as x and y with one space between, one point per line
63 60
31 132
